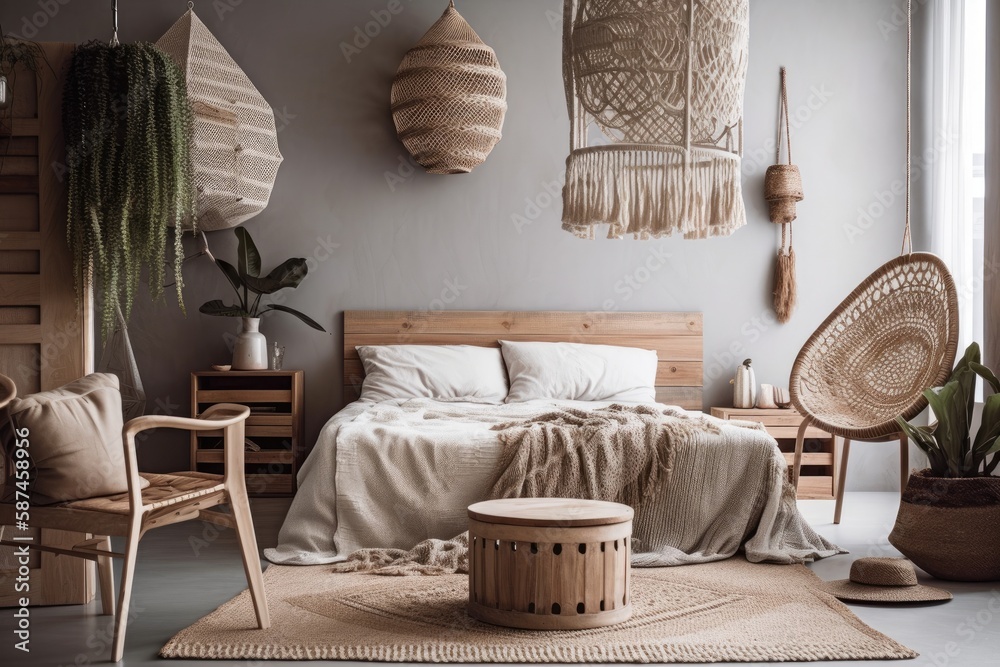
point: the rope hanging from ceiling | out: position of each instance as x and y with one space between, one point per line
893 337
782 189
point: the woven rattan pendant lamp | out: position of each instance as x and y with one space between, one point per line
235 151
449 97
655 99
892 338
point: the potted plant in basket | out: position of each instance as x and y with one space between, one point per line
250 351
949 519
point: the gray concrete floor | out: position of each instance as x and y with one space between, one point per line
186 571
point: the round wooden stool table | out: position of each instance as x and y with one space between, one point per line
549 563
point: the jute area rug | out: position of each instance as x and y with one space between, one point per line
726 611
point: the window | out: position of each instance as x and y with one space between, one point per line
956 108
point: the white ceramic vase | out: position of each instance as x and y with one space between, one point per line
250 350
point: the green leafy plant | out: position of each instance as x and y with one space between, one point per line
23 52
127 122
250 286
15 54
949 447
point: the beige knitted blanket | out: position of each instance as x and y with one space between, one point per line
618 453
393 474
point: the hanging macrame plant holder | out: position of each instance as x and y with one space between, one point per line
235 150
783 189
449 97
655 97
891 339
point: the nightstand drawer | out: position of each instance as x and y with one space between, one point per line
267 456
820 460
244 396
254 431
276 424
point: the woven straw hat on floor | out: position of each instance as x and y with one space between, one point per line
884 580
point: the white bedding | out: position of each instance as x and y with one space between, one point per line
394 473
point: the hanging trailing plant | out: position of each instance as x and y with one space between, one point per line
127 122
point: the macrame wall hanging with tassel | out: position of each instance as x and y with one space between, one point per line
782 189
655 98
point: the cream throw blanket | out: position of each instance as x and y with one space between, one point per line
619 453
392 474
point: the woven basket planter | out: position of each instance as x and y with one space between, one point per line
235 151
782 189
950 528
449 97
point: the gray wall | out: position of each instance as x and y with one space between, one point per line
428 242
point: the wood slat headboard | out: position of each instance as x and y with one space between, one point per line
676 337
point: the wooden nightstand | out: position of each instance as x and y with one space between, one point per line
821 456
276 424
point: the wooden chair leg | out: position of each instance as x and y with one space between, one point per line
800 439
106 579
904 461
125 589
251 560
845 454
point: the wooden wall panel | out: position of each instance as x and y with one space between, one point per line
45 331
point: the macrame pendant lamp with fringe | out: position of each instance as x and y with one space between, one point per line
782 189
655 97
449 97
891 339
235 149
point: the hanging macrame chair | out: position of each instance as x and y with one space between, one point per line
871 360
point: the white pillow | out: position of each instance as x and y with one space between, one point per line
579 372
433 371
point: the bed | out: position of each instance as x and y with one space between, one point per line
391 473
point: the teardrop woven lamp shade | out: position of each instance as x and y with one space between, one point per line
235 151
655 98
870 361
449 97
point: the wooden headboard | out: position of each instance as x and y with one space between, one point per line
676 337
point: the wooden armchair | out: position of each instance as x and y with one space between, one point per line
168 499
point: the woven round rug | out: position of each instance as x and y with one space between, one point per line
715 612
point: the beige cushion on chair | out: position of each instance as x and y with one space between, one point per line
75 436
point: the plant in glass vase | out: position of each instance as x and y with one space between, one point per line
250 351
